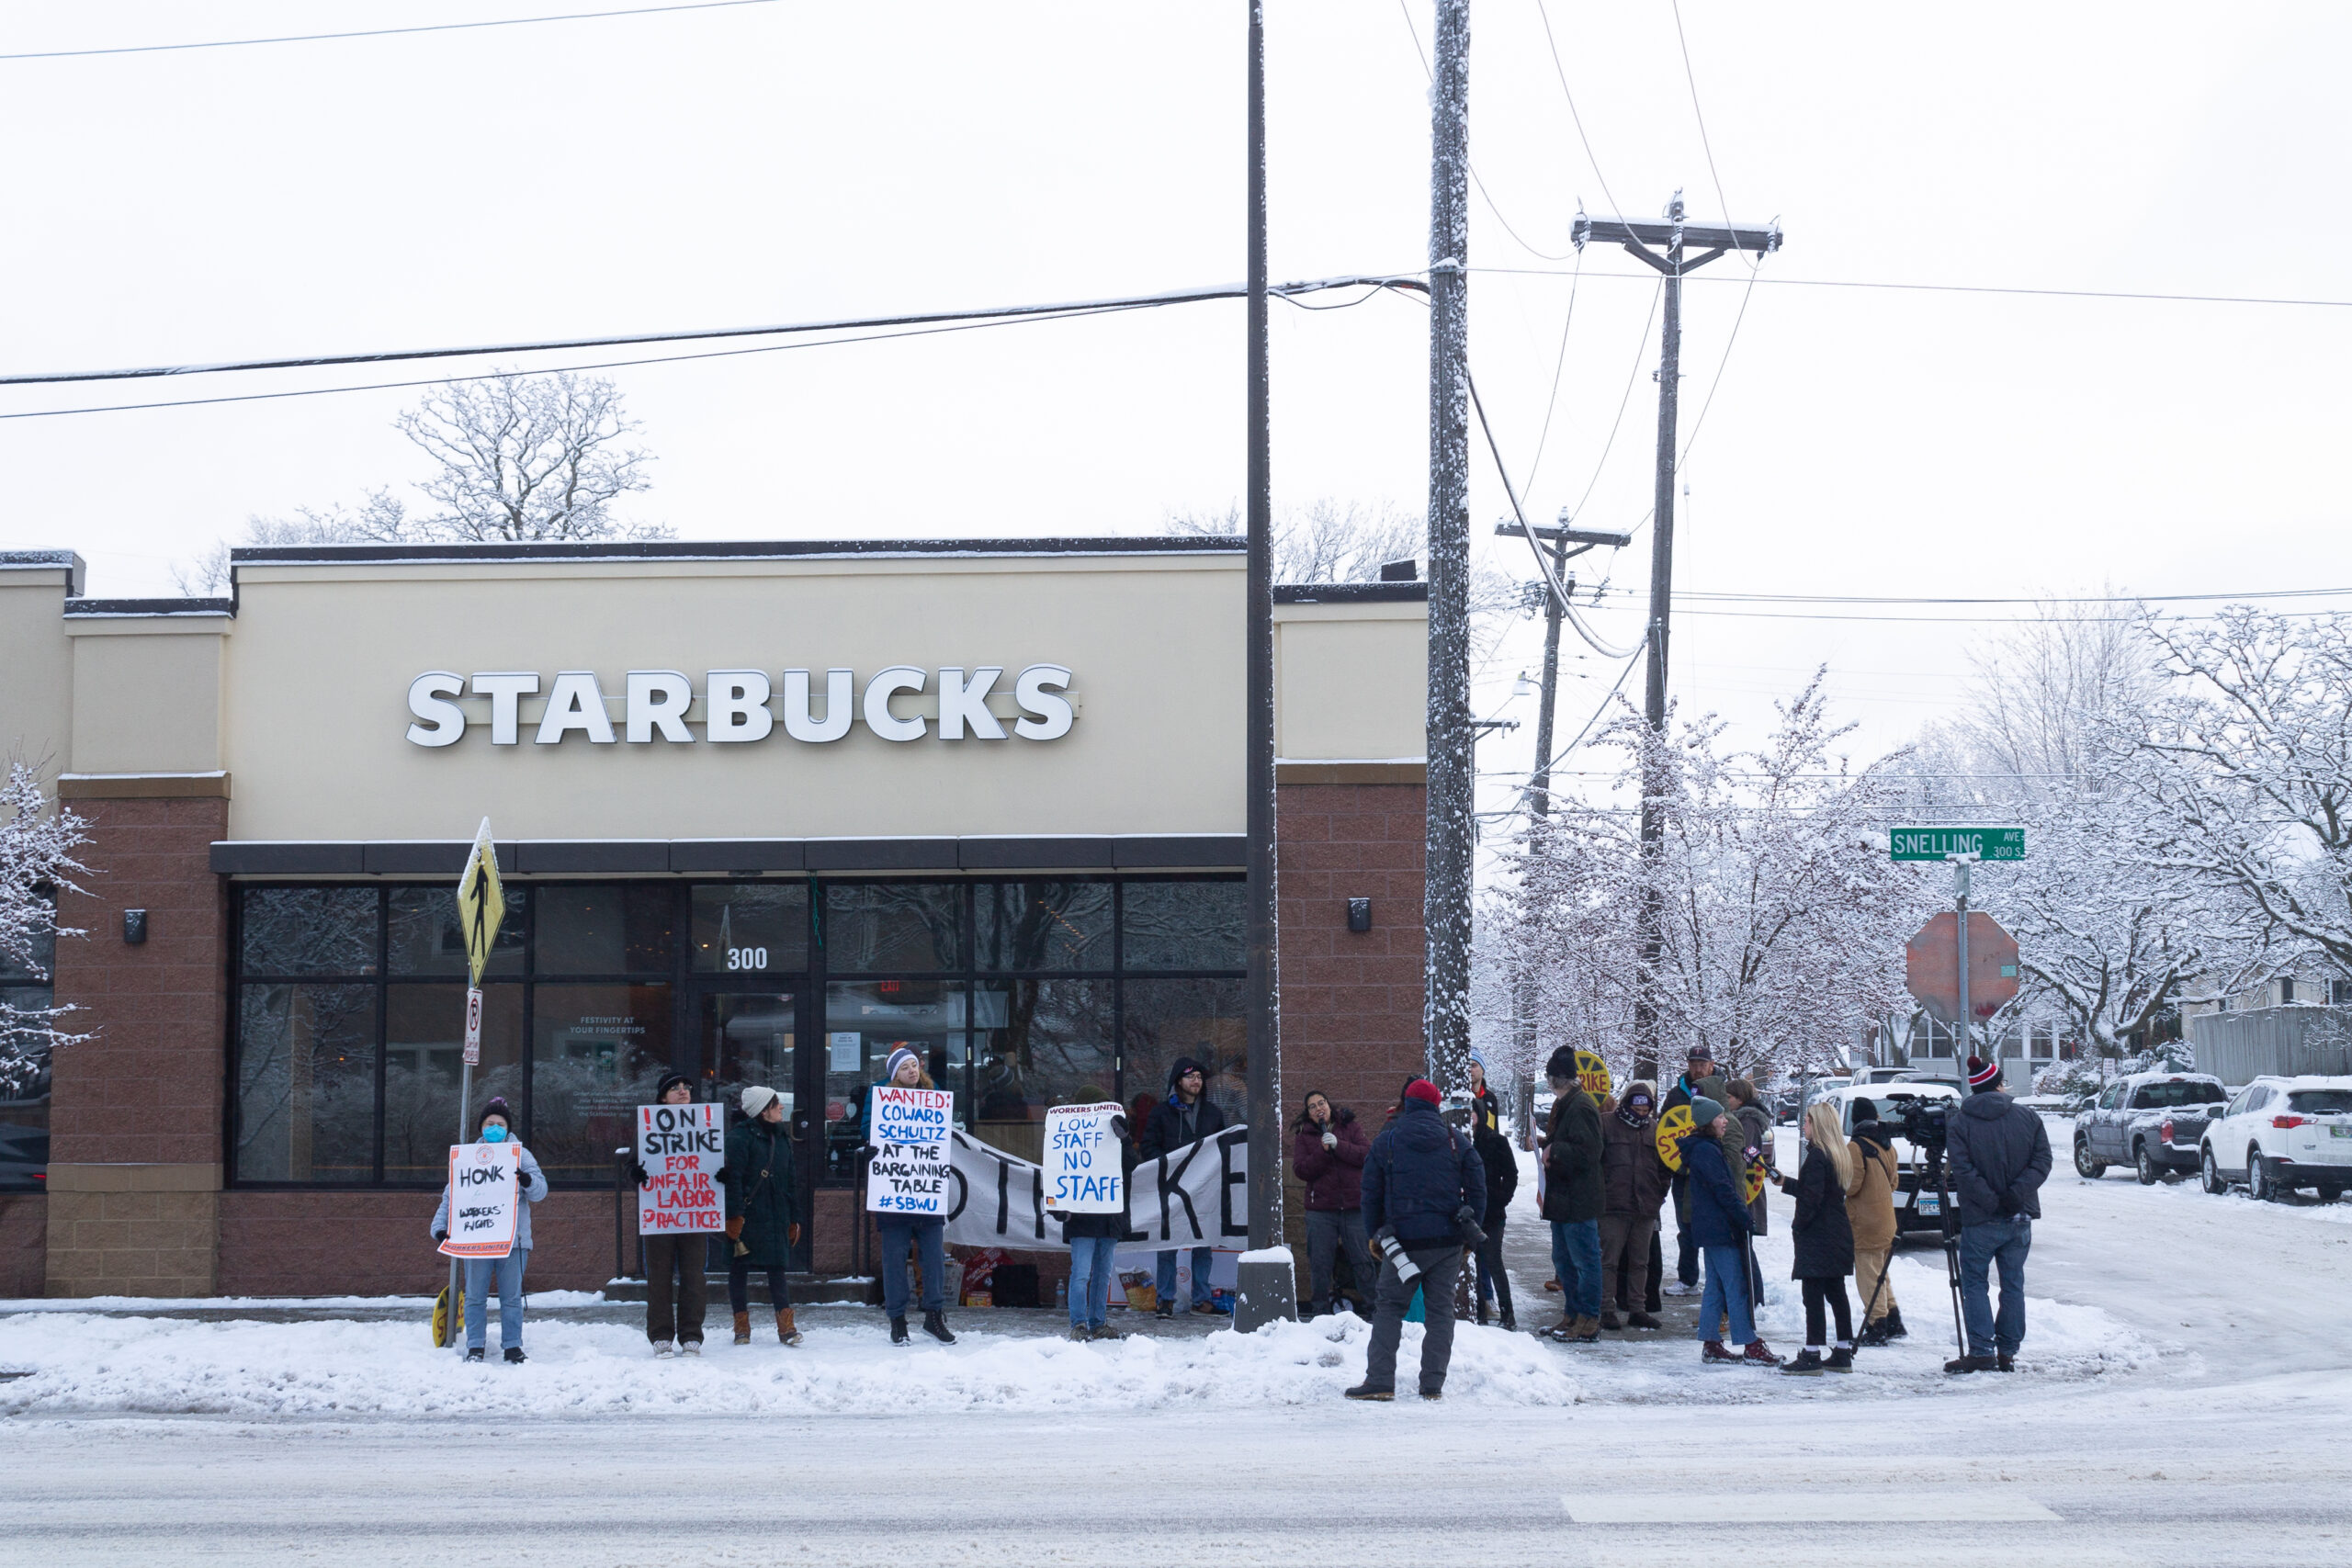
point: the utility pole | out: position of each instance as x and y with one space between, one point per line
1445 905
1671 259
1264 1022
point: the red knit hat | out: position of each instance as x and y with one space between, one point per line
1421 1089
1982 1075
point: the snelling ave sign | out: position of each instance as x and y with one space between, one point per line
1931 966
1942 843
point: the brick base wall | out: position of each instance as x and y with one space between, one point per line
374 1243
132 1243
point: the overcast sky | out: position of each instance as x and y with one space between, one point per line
791 162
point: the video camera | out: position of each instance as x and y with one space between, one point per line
1923 1121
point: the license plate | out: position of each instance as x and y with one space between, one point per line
2340 1131
1929 1203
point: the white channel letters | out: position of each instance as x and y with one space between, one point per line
741 705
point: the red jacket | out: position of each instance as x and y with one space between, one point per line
1334 1177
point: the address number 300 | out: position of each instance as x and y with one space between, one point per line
747 958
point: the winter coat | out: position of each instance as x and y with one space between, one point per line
1870 1197
1502 1172
1634 1178
535 1187
1165 1132
1755 1131
1824 1238
1486 1110
1572 1151
1420 1173
1997 1149
1333 1176
1079 1227
1718 1206
758 1174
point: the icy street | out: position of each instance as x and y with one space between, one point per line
2186 1396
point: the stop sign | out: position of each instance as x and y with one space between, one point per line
1931 966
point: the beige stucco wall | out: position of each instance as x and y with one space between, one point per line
36 672
147 694
1352 682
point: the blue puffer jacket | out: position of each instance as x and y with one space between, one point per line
1718 1208
535 1187
1420 1172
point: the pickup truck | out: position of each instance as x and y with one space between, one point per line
2153 1121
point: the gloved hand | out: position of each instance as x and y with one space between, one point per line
865 1151
639 1174
1330 1139
440 1236
735 1228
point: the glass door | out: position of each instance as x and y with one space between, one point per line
752 1037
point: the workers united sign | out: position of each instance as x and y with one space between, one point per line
744 705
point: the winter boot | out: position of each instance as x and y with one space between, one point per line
1841 1360
935 1324
743 1328
1874 1335
1482 1315
784 1331
898 1331
1807 1364
1642 1320
1164 1310
1715 1353
475 1354
1079 1335
1612 1322
1587 1331
1433 1392
1365 1390
514 1357
1759 1354
1564 1330
2006 1363
1971 1364
1103 1331
1553 1286
1509 1324
664 1350
1891 1324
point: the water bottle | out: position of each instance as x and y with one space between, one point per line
1062 1294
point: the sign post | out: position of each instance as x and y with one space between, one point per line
1961 848
481 905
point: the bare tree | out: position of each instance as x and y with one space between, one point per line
529 457
379 519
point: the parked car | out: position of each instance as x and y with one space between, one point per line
1914 1209
2152 1121
1878 1075
1798 1092
24 1158
2280 1134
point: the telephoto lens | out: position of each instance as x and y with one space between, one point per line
1386 1245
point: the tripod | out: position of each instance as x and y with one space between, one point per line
1949 1225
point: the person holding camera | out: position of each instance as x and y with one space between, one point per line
1328 1148
1719 1228
1424 1188
1633 1181
1870 1205
1573 1200
2000 1157
1824 1240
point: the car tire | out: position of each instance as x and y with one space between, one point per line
2258 1185
2211 1172
2329 1192
2087 1167
2145 1166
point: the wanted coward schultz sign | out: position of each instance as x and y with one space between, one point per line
909 1130
1082 1175
681 1148
485 1194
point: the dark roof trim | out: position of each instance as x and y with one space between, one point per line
723 857
67 561
112 607
1351 592
726 549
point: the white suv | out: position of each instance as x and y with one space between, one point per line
2279 1134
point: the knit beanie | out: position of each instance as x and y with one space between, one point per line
497 1107
899 1058
1982 1075
757 1098
1421 1089
670 1081
1704 1111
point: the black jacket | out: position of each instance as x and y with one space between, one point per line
1421 1172
1502 1172
1572 1159
2000 1157
1822 1235
1163 1132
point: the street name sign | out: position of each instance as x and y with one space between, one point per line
1942 843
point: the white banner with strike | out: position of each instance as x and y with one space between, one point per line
1083 1163
1194 1196
907 1128
485 1195
683 1148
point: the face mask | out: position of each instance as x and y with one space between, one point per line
493 1134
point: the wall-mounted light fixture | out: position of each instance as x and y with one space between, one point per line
134 926
1359 914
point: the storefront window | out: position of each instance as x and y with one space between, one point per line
864 1022
306 1083
749 929
623 928
308 931
883 925
1044 1042
748 1037
426 939
1020 926
596 1053
424 1039
1183 925
1205 1019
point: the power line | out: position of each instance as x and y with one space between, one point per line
1954 289
384 32
1707 147
1558 69
1484 195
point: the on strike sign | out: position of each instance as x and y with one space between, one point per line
1083 1163
485 1194
909 1130
681 1148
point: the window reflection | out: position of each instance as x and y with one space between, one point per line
1042 1043
306 1083
1045 924
867 1020
425 937
1183 925
893 925
425 1042
596 1053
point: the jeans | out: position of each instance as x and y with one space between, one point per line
1089 1280
1166 1277
1830 1294
931 1235
2005 1242
683 1262
1686 1251
1441 1267
1327 1230
1625 1243
509 1271
1494 1280
1576 1258
1726 1293
738 1287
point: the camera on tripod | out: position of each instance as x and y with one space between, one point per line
1921 1120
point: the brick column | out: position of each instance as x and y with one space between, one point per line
135 1112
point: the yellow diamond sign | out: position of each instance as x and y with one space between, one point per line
481 903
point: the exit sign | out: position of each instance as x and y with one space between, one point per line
1942 843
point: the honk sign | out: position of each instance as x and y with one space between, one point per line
485 1195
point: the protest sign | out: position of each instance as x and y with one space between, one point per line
1083 1169
909 1129
681 1148
485 1194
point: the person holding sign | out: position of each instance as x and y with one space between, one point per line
898 1231
763 1217
677 1281
496 1127
1089 1159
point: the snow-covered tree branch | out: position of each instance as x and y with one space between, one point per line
38 851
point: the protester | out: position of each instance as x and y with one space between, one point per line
1870 1205
495 1125
1686 1250
1327 1149
1822 1240
1485 1104
1633 1181
895 1234
2000 1157
1418 1185
1092 1239
1573 1198
1719 1228
1502 1164
1754 1126
675 1308
1182 1118
763 1218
